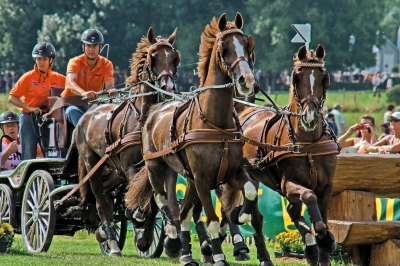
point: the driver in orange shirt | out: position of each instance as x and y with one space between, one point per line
87 74
30 93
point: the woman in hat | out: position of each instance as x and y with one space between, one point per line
391 143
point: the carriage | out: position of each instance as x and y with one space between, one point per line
28 195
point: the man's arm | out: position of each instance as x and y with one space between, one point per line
72 85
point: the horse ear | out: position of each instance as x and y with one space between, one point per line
150 36
320 52
251 45
222 22
171 38
326 80
178 58
301 54
239 20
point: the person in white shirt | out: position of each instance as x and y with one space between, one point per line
11 149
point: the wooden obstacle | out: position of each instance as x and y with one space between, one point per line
358 180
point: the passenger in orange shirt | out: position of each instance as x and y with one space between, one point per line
87 74
30 94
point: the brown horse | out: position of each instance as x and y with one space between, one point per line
202 143
304 175
155 61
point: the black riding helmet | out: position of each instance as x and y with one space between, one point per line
8 117
92 36
44 49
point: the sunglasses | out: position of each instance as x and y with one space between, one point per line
394 120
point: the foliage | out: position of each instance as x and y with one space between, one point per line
393 95
290 242
123 22
6 232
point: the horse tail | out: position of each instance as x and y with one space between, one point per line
87 195
229 197
140 191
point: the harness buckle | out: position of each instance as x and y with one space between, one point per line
236 135
296 148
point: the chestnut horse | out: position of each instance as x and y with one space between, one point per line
202 144
154 61
305 175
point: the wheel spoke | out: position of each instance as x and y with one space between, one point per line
28 223
45 221
33 196
45 205
30 203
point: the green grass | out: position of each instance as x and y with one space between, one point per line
82 249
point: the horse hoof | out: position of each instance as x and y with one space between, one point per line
172 247
311 255
242 256
240 251
100 235
206 249
187 261
221 263
115 254
266 263
208 259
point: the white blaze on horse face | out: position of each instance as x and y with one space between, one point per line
166 53
312 81
243 65
309 117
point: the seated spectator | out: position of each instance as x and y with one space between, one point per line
390 109
390 143
365 135
11 149
385 130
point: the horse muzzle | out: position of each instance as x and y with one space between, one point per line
245 84
309 118
167 83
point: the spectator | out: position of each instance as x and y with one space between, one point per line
390 109
11 148
30 93
330 118
390 143
385 130
365 135
340 120
87 74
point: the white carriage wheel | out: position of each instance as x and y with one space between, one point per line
7 206
38 217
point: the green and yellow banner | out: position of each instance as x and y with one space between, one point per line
276 218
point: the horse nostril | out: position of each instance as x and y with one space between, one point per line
242 80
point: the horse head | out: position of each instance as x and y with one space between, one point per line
235 53
309 83
162 60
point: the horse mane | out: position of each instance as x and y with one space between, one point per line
139 58
207 42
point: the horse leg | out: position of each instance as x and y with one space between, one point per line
311 251
170 184
213 224
204 239
147 228
240 248
186 214
249 210
324 238
172 243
